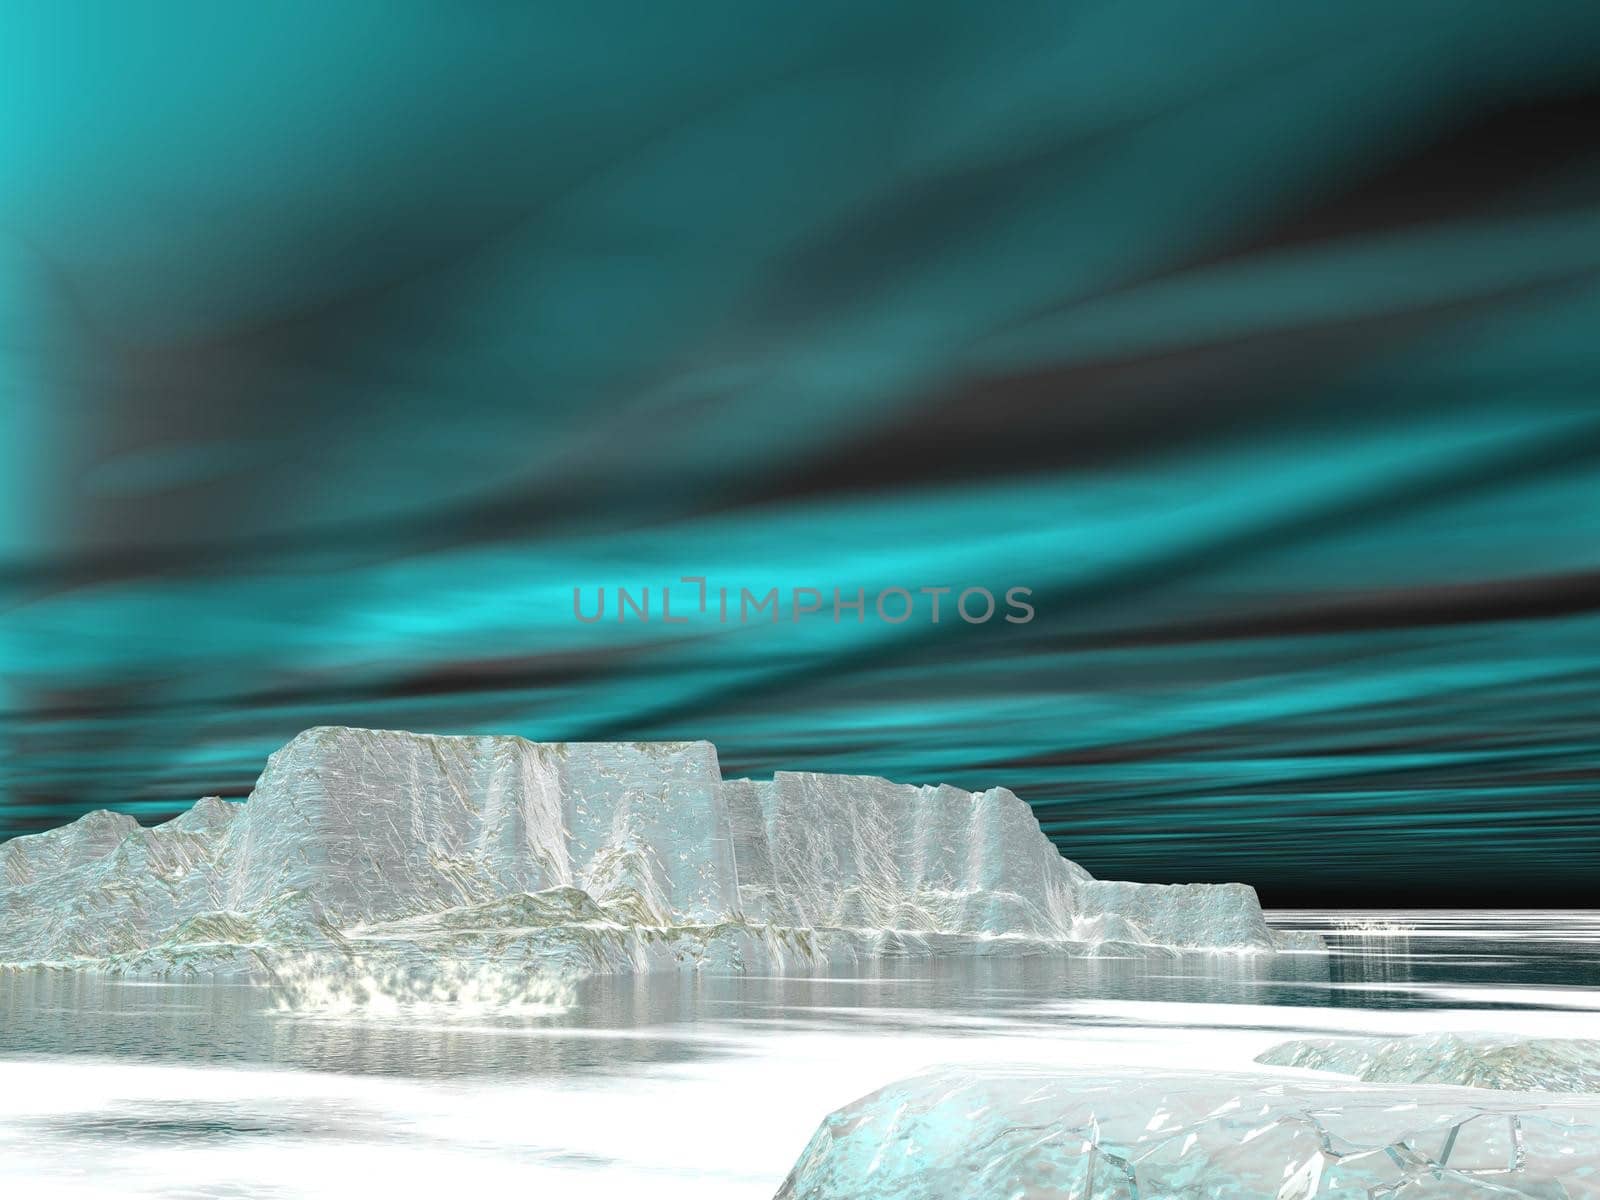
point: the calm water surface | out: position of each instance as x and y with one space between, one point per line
678 1085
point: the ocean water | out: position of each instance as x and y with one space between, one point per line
673 1086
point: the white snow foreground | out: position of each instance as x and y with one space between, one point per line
1001 1134
396 862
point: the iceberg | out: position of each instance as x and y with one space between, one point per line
368 855
1482 1060
1008 1133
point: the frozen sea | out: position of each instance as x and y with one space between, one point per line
680 1086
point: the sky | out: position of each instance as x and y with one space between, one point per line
341 346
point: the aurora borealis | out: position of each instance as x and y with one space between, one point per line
340 344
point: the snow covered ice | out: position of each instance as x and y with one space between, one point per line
1484 1060
1038 1134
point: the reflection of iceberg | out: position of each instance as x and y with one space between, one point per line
388 854
1484 1060
1028 1133
381 987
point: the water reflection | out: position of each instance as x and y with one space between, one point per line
686 1085
610 1024
628 1023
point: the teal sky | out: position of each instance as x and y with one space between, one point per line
340 343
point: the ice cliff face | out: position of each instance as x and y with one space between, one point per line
396 850
381 825
1027 1133
842 851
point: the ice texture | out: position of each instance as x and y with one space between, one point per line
1020 1133
1483 1060
377 857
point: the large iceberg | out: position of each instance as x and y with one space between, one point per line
1023 1133
385 854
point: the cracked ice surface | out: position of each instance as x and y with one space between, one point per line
369 861
1483 1060
1021 1133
